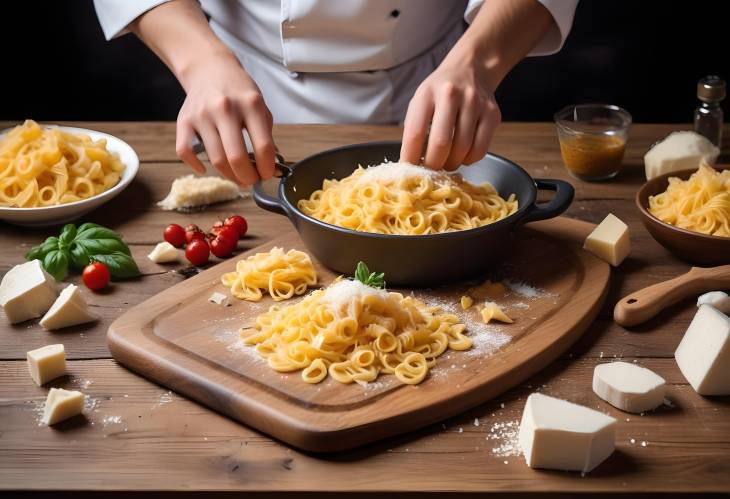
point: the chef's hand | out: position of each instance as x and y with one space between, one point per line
458 105
222 99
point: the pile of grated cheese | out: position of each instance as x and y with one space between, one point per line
191 191
389 172
346 291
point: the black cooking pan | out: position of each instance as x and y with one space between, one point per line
410 260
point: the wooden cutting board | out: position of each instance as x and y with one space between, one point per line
180 339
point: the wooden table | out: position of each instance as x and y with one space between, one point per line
139 436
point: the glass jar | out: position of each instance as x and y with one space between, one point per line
593 139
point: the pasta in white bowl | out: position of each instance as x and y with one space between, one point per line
30 200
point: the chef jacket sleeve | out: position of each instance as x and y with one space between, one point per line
115 15
562 12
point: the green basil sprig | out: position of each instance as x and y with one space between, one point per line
76 247
372 279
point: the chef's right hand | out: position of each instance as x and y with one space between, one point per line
222 100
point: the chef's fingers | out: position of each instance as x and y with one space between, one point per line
184 145
213 146
466 124
488 123
442 128
415 126
231 134
259 128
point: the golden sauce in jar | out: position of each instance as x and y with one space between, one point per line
592 156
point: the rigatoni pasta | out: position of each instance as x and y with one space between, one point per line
46 167
354 332
400 198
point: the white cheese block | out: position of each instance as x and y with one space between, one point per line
628 387
27 291
46 363
703 355
219 299
557 434
718 299
609 241
164 252
69 309
191 191
62 404
679 151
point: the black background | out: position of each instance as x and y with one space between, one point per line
645 56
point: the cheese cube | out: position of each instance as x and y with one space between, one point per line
560 435
27 291
609 241
628 387
679 151
164 252
718 299
703 355
219 299
69 309
62 404
46 363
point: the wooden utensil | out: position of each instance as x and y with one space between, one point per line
180 339
644 304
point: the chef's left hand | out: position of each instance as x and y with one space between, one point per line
459 106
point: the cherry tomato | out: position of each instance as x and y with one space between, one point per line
197 251
228 233
193 232
175 235
238 223
95 276
223 246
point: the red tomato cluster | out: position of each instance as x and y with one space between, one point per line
221 240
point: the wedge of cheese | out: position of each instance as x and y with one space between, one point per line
46 363
718 299
62 404
628 387
679 151
557 434
609 241
703 355
164 252
69 309
27 291
191 191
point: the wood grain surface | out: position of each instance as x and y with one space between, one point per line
138 436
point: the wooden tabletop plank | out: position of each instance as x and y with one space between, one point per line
140 436
171 443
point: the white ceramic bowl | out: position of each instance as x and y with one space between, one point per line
53 215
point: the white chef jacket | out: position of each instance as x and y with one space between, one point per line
338 61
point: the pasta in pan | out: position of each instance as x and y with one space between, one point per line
45 167
282 275
400 198
353 332
700 204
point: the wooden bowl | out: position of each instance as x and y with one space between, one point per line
688 245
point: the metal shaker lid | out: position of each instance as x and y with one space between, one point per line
711 89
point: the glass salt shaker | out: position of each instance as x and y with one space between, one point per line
709 116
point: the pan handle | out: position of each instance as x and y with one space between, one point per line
271 203
564 193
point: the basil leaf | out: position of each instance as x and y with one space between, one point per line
362 272
102 246
97 232
56 263
78 255
40 251
87 225
68 233
120 265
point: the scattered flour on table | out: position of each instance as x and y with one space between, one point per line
505 435
109 420
164 399
82 383
526 290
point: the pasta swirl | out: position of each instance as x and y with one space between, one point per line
282 275
700 204
46 167
399 198
353 333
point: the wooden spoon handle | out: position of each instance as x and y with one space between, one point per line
644 304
